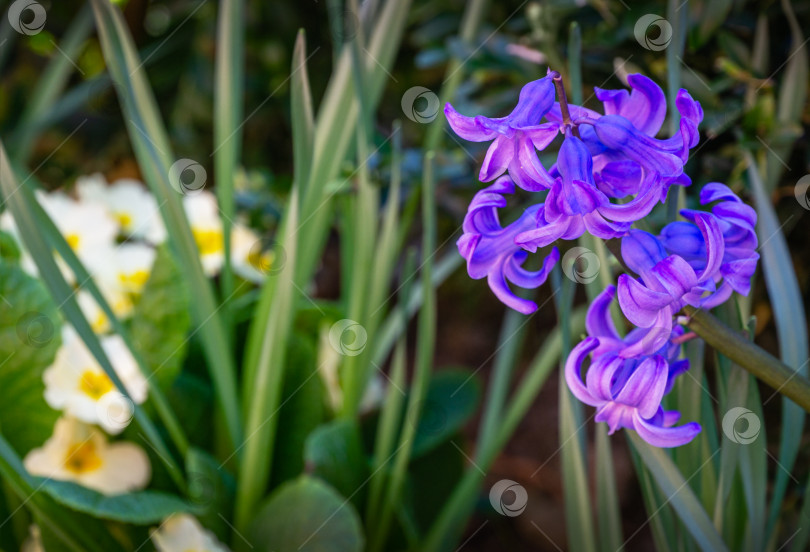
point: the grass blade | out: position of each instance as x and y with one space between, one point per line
336 122
791 327
679 495
573 454
303 121
426 341
152 149
229 94
264 374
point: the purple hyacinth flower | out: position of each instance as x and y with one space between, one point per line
516 137
667 283
622 141
627 393
491 251
737 223
599 323
575 204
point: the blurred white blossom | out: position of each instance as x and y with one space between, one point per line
76 383
181 533
80 453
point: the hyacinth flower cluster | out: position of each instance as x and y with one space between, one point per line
611 170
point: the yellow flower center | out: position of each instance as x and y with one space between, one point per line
82 458
101 324
95 384
134 281
209 241
73 241
124 219
260 260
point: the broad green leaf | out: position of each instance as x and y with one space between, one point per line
210 490
29 338
452 397
139 508
334 452
161 320
306 515
303 409
9 248
679 494
431 479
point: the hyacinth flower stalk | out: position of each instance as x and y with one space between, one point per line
610 173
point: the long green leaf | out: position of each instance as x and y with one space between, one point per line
679 495
335 125
573 454
791 326
228 112
426 341
153 151
303 120
264 374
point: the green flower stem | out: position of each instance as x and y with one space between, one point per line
749 356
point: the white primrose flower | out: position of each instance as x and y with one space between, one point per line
80 453
129 202
248 257
120 280
203 216
87 226
183 533
34 541
76 383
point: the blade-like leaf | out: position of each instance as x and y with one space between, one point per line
791 326
153 151
264 372
228 100
678 493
